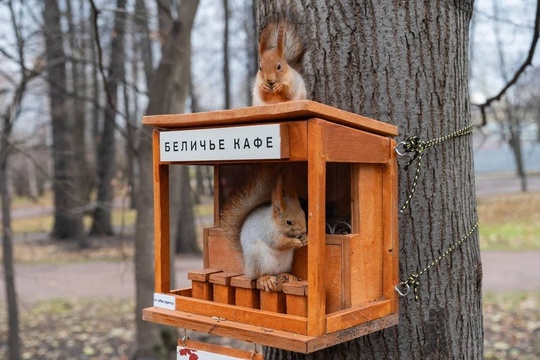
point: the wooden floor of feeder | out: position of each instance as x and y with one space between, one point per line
260 335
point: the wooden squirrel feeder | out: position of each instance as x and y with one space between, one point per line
345 171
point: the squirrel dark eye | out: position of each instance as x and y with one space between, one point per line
260 68
288 222
279 66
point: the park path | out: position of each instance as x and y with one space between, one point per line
502 271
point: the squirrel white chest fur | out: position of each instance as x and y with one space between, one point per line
256 239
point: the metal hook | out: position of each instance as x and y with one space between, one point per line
396 149
184 341
403 288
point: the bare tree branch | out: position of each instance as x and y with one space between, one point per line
519 71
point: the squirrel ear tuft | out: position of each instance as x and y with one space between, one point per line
281 39
278 196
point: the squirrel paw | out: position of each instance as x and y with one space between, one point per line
267 283
268 87
288 277
278 87
299 241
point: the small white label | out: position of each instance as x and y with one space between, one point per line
231 143
164 301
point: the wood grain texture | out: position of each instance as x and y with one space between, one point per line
162 263
316 248
302 109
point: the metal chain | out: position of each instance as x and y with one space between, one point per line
414 144
417 146
404 287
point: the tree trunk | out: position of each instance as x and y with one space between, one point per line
8 263
226 68
169 70
8 118
106 165
77 113
67 218
514 141
186 238
406 63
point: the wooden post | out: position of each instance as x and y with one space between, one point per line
316 226
162 262
246 292
202 288
223 291
274 300
390 229
296 297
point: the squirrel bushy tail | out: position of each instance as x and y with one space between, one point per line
257 192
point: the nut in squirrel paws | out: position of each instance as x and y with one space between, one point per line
299 241
278 87
268 87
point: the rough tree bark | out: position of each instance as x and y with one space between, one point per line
67 217
163 80
405 63
106 165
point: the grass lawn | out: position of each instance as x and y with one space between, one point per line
510 222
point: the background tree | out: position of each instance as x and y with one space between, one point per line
226 66
11 100
67 216
405 63
77 102
168 73
508 71
106 159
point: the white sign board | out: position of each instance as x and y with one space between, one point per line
230 143
164 301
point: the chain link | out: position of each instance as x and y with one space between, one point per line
417 146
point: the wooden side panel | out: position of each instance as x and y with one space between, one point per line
334 278
220 254
349 145
366 251
267 319
358 315
162 253
298 140
316 248
390 226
